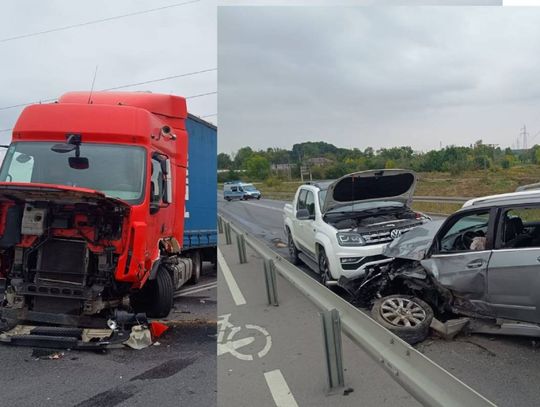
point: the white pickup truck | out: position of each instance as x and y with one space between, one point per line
340 228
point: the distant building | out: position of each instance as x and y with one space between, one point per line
281 167
319 161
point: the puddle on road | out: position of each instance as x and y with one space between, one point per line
277 242
110 398
166 369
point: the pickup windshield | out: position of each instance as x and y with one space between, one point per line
116 170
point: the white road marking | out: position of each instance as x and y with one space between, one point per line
231 282
280 390
196 289
264 206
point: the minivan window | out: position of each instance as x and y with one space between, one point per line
520 228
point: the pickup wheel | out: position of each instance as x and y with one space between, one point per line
156 297
324 268
406 316
293 251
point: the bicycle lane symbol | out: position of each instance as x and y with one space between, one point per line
227 344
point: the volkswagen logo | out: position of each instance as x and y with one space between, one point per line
395 233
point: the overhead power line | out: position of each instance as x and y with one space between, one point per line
92 22
200 95
127 86
161 79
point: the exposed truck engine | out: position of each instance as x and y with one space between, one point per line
92 201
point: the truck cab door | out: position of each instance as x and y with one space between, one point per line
514 267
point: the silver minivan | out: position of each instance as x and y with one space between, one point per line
482 262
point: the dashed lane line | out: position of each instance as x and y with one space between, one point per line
237 295
279 389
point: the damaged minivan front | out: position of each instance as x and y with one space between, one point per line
482 262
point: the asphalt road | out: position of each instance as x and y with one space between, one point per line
180 371
504 369
268 353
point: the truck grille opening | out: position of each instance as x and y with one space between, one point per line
62 261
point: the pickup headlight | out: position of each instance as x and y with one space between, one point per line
350 239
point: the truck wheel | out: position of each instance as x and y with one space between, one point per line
156 297
293 251
406 316
324 268
197 266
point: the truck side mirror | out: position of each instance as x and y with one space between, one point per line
303 214
168 196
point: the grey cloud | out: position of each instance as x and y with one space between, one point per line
376 76
135 49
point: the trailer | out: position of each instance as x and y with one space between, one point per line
200 225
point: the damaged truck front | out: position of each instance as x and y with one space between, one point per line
92 193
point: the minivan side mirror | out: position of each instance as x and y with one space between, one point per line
303 214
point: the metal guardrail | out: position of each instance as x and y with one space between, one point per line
426 381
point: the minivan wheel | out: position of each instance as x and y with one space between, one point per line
324 268
293 251
406 316
156 297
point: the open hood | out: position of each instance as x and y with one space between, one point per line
31 192
373 185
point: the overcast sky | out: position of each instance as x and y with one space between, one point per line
377 76
144 47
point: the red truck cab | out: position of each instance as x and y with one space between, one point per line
92 195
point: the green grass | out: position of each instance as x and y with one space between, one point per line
468 184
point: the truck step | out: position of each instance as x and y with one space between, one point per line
57 331
44 341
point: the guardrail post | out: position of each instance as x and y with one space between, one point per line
331 324
271 284
220 224
228 239
241 245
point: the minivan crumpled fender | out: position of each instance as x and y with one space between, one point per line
414 244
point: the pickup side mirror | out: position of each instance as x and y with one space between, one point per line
303 214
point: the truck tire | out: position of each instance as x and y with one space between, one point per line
404 315
156 297
197 266
293 251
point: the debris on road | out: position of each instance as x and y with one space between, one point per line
139 338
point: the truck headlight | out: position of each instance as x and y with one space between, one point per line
350 239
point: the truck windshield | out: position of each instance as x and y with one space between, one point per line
117 171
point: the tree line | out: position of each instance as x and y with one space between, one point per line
283 163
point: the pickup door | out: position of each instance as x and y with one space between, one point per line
304 229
